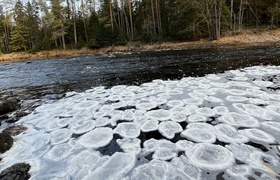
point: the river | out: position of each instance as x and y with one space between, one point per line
53 77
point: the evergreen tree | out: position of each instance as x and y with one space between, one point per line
94 32
58 26
19 34
33 22
17 41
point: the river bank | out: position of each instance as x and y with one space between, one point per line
245 39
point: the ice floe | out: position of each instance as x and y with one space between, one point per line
149 125
258 135
179 117
160 115
228 134
155 169
274 108
199 135
221 110
82 127
169 128
194 128
174 103
84 159
130 145
146 106
60 136
253 110
183 145
183 165
205 111
194 101
116 167
59 152
164 154
271 125
201 126
239 171
150 145
97 138
265 162
197 118
239 120
210 157
128 130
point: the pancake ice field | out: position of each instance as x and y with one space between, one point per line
220 126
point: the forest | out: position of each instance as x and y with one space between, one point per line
37 25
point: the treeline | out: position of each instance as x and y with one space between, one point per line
44 25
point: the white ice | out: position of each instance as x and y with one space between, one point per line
82 127
182 164
169 128
239 120
146 105
201 126
206 111
155 169
68 138
97 138
116 167
149 125
60 136
84 159
199 135
150 145
128 130
253 110
160 115
130 145
258 135
239 171
228 134
197 118
210 157
59 152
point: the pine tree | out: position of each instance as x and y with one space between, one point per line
58 25
94 31
19 34
17 41
32 23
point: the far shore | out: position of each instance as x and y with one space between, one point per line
244 40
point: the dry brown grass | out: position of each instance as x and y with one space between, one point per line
244 39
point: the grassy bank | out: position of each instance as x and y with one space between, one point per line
242 40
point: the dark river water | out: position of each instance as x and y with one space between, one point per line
48 78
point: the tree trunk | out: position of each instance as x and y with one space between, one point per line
130 17
84 20
62 37
158 16
92 6
153 15
216 27
125 21
6 39
118 13
111 15
231 14
240 15
219 18
74 21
